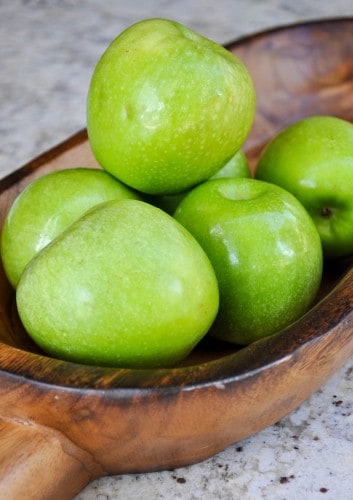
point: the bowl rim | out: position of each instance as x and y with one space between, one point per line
290 26
247 363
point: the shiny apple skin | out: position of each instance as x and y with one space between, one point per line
167 107
47 206
313 159
266 252
126 285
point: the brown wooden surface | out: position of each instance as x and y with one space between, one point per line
299 71
89 421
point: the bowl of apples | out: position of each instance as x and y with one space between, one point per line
185 380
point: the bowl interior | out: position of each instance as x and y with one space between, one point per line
298 71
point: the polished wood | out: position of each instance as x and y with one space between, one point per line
63 424
298 71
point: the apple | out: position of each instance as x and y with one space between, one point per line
125 285
47 206
167 107
313 159
265 250
237 166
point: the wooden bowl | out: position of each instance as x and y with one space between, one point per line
64 424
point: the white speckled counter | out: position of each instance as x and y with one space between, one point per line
48 49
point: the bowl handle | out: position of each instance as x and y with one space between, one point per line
39 462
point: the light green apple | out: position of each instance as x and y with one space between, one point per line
237 166
265 250
47 206
313 159
126 285
167 107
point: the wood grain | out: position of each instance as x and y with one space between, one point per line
27 448
299 71
63 424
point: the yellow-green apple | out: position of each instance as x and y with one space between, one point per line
265 250
313 159
126 285
237 166
167 107
47 206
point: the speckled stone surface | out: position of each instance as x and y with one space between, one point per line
48 49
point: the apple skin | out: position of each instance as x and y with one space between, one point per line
126 285
265 250
167 108
47 206
237 166
313 159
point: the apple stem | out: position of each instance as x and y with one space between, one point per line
326 212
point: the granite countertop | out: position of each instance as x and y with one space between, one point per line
48 49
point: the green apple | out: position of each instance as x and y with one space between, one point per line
237 166
47 206
126 285
265 250
313 159
167 107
